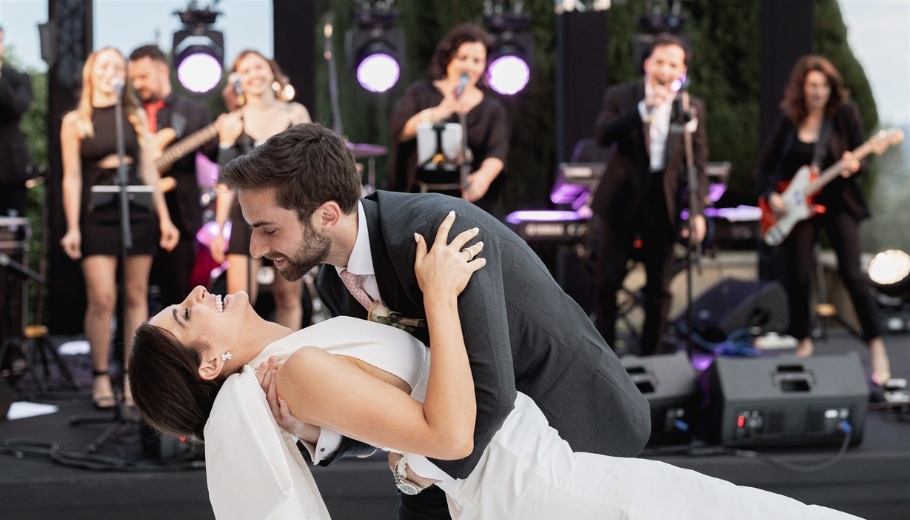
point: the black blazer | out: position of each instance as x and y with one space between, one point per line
523 333
15 98
624 185
185 116
841 194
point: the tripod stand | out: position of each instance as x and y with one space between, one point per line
825 310
34 337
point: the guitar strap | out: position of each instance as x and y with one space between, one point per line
821 145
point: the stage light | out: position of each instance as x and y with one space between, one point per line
375 48
198 51
510 58
889 272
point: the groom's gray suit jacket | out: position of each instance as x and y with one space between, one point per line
522 331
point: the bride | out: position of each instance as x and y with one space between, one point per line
192 374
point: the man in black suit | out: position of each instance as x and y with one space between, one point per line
150 77
300 191
15 159
638 198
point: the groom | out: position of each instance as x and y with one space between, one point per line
300 191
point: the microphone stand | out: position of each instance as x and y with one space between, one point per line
120 417
693 256
329 54
467 158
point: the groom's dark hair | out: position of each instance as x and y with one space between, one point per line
308 165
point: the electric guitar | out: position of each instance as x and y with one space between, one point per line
174 153
799 191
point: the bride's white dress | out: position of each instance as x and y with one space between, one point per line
255 470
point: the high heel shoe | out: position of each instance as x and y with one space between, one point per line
103 401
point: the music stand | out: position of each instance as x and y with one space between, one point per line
441 159
123 193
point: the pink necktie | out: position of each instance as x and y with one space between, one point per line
353 283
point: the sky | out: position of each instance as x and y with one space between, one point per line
878 31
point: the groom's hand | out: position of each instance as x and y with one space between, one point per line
409 473
266 373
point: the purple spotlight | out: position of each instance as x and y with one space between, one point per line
508 74
378 72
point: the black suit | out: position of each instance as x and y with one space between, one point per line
631 201
15 160
523 333
171 270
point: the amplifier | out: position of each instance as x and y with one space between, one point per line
785 400
548 227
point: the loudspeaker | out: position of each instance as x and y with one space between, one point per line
738 304
581 77
668 382
785 400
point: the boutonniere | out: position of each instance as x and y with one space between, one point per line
381 314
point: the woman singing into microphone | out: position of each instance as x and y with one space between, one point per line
458 68
89 147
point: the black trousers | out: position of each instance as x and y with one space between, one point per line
172 270
617 246
429 504
799 250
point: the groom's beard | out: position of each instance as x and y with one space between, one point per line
313 250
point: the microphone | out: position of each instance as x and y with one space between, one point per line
117 83
234 80
462 84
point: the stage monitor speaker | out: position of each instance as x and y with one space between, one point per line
738 304
668 382
785 401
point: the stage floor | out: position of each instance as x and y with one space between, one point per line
46 474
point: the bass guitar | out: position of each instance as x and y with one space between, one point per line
799 191
181 148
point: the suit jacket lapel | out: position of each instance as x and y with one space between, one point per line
638 94
392 273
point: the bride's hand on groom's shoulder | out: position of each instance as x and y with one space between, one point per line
447 267
266 374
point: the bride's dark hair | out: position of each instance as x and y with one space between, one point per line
166 386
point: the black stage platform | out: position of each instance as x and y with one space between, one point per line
872 480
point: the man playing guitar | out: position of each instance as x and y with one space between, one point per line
174 117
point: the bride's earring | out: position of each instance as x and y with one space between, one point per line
226 356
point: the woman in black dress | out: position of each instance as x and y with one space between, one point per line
462 52
88 139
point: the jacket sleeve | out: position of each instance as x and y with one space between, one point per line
485 327
15 92
617 118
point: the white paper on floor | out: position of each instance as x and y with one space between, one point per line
23 409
